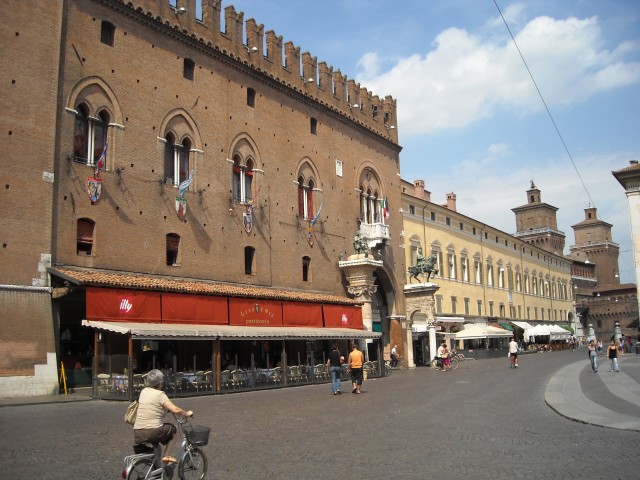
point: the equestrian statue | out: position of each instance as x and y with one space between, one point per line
423 266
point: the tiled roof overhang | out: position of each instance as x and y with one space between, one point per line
117 279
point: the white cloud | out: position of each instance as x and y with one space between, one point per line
464 77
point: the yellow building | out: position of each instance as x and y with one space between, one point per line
484 275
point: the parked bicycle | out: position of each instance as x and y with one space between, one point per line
192 462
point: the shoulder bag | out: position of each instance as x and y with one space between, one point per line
131 413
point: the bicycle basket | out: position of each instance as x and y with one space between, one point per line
196 434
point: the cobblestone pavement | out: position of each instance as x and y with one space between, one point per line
482 421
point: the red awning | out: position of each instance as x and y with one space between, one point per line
301 314
194 309
342 316
123 305
255 312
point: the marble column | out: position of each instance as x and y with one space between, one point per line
359 270
419 299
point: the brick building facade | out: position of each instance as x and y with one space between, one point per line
288 159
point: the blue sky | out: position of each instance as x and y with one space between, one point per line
470 119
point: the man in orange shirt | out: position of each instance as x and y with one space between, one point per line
356 362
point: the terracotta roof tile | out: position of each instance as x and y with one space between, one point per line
117 279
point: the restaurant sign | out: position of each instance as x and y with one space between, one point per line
255 312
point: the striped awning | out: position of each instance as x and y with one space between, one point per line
159 331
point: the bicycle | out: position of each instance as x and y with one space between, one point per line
192 462
436 363
390 365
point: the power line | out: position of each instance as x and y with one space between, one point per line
545 105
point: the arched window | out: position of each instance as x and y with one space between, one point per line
305 198
370 197
306 273
173 244
242 180
85 229
90 135
249 254
176 160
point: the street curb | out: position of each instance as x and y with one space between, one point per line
564 396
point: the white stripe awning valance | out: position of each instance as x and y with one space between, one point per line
149 331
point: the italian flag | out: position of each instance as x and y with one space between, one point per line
385 207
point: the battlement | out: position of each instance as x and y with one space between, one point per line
267 54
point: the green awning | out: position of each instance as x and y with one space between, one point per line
567 327
506 326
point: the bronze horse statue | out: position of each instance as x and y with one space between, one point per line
424 266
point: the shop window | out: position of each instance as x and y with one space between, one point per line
249 255
189 69
90 135
85 229
176 160
107 33
251 98
173 244
306 263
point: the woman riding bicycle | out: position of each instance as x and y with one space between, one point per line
152 406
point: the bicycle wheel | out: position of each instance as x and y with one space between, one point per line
193 466
454 363
140 469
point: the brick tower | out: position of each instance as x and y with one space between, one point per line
536 223
593 244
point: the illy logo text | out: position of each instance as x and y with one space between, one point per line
125 305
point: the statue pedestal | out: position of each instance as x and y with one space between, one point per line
419 299
359 270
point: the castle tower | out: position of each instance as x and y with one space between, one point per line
536 223
594 245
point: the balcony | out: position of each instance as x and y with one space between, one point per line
538 231
375 233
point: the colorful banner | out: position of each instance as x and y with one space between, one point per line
181 208
247 218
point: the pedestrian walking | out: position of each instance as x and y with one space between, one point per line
612 354
600 348
513 353
592 351
335 369
355 364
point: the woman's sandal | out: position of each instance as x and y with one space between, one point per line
169 460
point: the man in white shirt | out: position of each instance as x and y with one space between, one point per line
513 352
394 356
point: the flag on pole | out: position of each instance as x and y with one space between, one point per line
102 161
315 219
385 207
185 185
